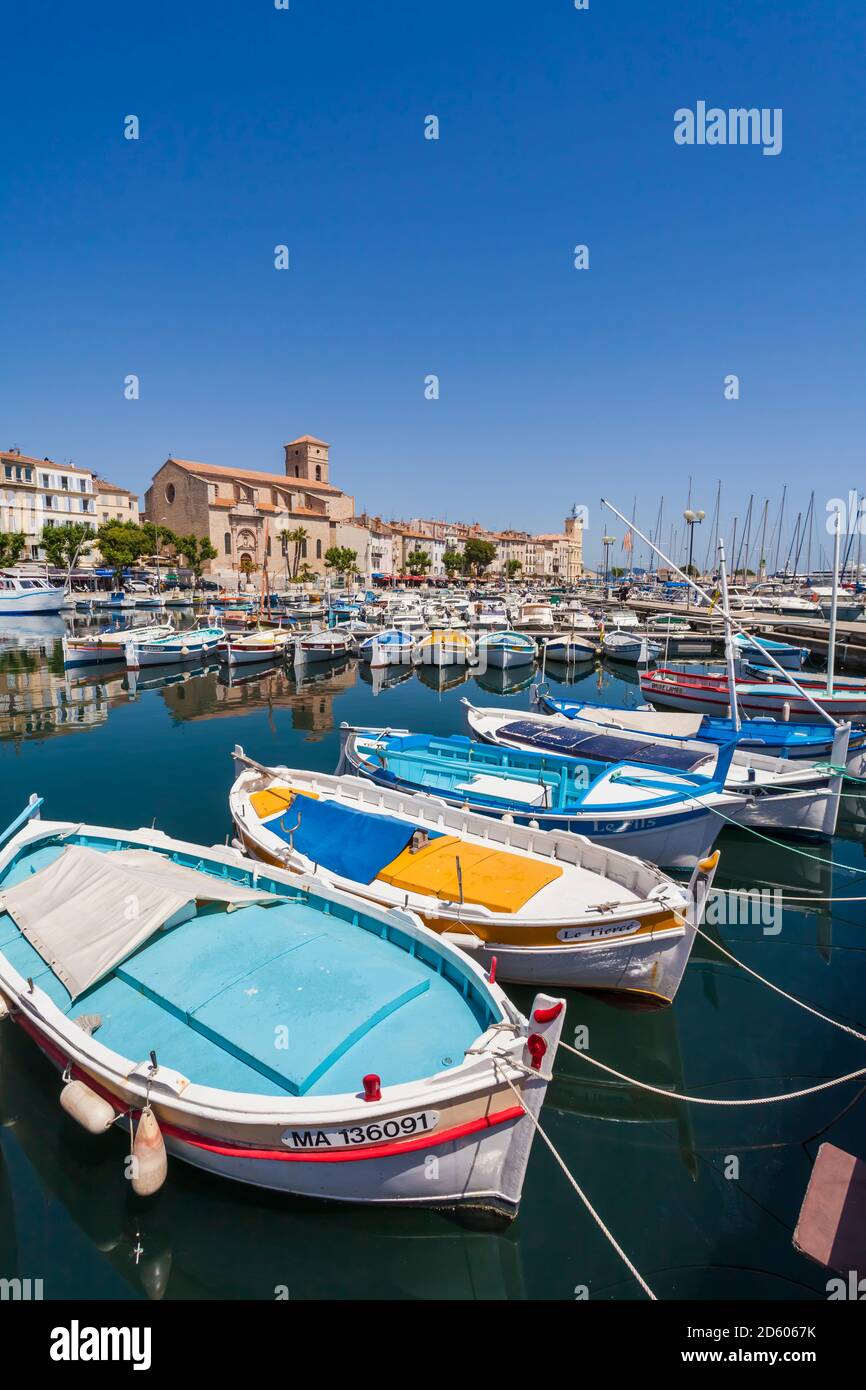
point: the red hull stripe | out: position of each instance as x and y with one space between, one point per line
431 1141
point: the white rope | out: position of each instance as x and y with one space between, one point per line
787 898
845 1028
578 1189
709 1100
792 849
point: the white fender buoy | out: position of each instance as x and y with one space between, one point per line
90 1111
150 1163
4 1009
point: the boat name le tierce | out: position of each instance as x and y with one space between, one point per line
736 126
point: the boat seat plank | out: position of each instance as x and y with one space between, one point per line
494 878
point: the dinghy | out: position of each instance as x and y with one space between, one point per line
668 817
445 647
549 908
266 1027
810 742
109 645
181 647
505 650
788 798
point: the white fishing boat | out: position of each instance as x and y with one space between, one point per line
169 1023
109 645
445 647
505 650
262 644
177 647
324 645
24 594
549 909
634 647
535 616
778 794
390 646
569 649
758 650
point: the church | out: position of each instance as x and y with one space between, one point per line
243 513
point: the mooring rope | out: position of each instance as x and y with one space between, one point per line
711 1100
606 1232
845 1028
792 849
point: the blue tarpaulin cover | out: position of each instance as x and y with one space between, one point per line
607 748
353 844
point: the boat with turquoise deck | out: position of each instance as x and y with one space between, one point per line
109 645
264 1026
505 649
668 816
550 909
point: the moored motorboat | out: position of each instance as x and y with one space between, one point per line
263 1026
756 651
22 593
549 908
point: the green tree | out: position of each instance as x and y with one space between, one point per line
512 567
418 562
297 537
341 559
121 543
196 552
65 545
452 561
11 545
155 537
477 555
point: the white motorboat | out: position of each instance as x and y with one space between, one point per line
24 594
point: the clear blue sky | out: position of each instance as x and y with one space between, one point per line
411 257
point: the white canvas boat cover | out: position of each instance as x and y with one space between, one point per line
647 721
87 910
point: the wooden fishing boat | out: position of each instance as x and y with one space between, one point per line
754 650
505 649
633 647
392 646
795 742
668 817
445 647
550 909
570 649
263 644
109 645
710 695
177 647
321 646
800 799
264 1026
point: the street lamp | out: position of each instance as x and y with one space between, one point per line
607 542
692 520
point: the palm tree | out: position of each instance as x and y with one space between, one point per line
297 538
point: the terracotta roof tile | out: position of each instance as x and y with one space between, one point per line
212 470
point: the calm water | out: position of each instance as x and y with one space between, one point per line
104 749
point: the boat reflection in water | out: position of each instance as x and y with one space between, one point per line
203 1237
442 678
505 681
382 678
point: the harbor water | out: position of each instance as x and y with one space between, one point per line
704 1200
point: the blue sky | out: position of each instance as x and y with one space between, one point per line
410 257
